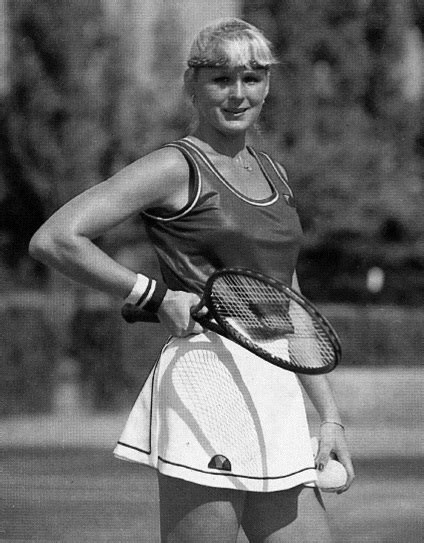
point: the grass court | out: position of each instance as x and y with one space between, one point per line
74 494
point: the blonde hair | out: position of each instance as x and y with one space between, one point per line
231 42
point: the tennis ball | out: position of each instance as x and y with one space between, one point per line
333 476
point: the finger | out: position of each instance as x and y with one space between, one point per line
203 311
323 456
350 479
197 306
197 328
347 463
345 486
199 310
192 327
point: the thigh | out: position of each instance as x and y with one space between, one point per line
296 515
190 513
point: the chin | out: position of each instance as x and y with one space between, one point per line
233 132
235 128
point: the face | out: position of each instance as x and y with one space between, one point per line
229 100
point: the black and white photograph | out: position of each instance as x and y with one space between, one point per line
211 271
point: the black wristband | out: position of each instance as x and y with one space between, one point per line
158 295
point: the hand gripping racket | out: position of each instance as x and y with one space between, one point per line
266 317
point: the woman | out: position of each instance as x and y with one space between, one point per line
227 433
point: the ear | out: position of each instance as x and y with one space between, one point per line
267 85
189 82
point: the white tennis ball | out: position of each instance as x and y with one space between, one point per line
333 476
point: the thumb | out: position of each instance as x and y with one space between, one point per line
198 307
322 457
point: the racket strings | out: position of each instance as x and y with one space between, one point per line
310 345
272 320
256 306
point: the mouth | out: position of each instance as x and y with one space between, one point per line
236 111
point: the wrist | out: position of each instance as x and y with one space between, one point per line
332 422
147 293
157 297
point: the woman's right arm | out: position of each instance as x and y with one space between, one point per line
65 241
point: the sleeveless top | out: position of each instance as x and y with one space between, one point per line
220 227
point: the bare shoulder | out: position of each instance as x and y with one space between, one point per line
166 166
281 169
160 178
279 165
164 161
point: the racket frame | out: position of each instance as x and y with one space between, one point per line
229 332
214 322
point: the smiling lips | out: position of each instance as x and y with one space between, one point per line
237 111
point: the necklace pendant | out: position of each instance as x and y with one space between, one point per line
245 165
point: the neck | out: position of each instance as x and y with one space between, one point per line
222 144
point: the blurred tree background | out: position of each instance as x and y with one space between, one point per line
345 116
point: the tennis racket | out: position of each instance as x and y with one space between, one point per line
266 317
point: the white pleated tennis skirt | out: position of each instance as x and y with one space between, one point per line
215 414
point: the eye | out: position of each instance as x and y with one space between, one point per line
252 78
221 79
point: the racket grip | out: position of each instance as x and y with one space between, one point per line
206 321
131 313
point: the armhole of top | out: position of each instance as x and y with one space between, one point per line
194 187
276 171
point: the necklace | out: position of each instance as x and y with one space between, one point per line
246 165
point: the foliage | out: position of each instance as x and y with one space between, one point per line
56 113
74 115
351 139
58 104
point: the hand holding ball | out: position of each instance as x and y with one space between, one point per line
333 476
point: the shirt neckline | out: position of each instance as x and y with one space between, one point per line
272 198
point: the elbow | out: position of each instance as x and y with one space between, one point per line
51 247
41 246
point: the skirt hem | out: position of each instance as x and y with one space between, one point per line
218 479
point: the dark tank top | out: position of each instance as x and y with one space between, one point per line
219 227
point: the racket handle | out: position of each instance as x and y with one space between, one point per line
206 321
131 313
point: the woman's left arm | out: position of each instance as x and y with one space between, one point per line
332 441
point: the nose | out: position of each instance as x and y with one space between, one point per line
237 90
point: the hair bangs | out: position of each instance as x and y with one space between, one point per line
247 51
231 43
